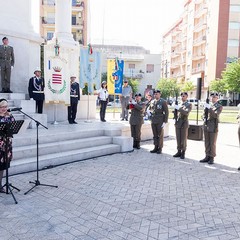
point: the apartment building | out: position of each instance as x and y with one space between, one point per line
79 20
138 63
204 38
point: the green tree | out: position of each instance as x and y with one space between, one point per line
219 86
187 87
134 83
168 87
104 77
232 76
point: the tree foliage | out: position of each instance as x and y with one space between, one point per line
134 83
168 87
187 87
232 76
219 86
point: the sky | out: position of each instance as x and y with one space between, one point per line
127 22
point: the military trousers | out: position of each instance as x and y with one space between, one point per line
136 132
210 139
124 103
5 77
158 133
181 136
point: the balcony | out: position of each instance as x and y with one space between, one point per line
48 21
198 56
175 42
48 2
200 26
133 73
175 65
175 54
199 41
197 70
200 11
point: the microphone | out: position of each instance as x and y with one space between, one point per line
14 109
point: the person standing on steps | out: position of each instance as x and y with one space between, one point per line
36 90
74 98
6 64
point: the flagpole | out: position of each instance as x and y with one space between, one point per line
88 121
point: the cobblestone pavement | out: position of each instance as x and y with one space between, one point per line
131 196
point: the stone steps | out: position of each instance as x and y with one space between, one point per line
59 146
62 157
62 144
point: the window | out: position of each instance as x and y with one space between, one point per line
131 65
234 25
150 68
188 67
189 53
233 43
235 8
49 35
74 36
74 20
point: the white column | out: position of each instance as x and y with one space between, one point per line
63 20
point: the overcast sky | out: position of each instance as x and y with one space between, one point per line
133 21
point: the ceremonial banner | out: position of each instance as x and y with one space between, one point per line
57 77
115 76
90 69
119 76
110 71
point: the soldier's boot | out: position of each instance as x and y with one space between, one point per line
206 159
182 155
155 149
178 154
211 160
137 144
159 151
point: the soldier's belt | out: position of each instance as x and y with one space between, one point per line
38 91
73 95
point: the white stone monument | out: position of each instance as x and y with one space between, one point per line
17 25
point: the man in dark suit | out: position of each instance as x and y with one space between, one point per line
74 98
36 90
6 64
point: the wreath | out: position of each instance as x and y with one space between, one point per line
57 91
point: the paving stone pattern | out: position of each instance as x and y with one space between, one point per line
130 196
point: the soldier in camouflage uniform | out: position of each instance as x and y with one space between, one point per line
136 119
182 125
159 118
211 128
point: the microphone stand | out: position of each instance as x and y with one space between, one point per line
36 182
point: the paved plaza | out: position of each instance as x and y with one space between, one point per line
132 196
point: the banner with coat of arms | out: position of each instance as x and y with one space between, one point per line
90 69
115 76
56 72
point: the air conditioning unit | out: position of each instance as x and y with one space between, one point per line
80 15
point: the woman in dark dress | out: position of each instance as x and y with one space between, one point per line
5 116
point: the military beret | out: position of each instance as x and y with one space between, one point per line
214 94
157 91
138 95
125 81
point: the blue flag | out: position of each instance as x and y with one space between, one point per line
118 76
90 69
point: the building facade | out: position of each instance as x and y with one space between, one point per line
79 20
205 38
138 63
